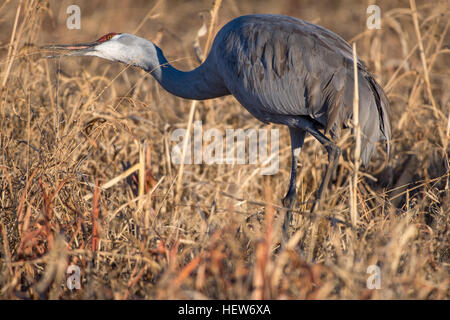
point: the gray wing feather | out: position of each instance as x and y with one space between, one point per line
278 66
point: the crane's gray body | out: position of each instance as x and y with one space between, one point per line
282 70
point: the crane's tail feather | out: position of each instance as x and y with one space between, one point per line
374 111
377 125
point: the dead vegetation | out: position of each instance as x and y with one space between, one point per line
86 177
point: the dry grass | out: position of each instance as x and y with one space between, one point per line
70 129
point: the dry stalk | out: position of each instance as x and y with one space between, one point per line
357 130
412 4
212 22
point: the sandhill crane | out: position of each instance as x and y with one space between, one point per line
283 70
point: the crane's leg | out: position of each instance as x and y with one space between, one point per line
334 152
333 156
297 139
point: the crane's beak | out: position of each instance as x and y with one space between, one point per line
76 49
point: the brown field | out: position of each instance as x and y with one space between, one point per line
71 127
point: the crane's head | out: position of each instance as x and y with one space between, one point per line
122 47
83 49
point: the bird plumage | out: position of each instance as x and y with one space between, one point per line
278 66
282 70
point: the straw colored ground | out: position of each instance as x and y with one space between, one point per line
69 124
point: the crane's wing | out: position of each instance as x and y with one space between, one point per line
278 65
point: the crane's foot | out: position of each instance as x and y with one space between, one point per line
288 202
333 158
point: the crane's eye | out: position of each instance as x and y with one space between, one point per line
107 37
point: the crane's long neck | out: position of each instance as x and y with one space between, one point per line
199 84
